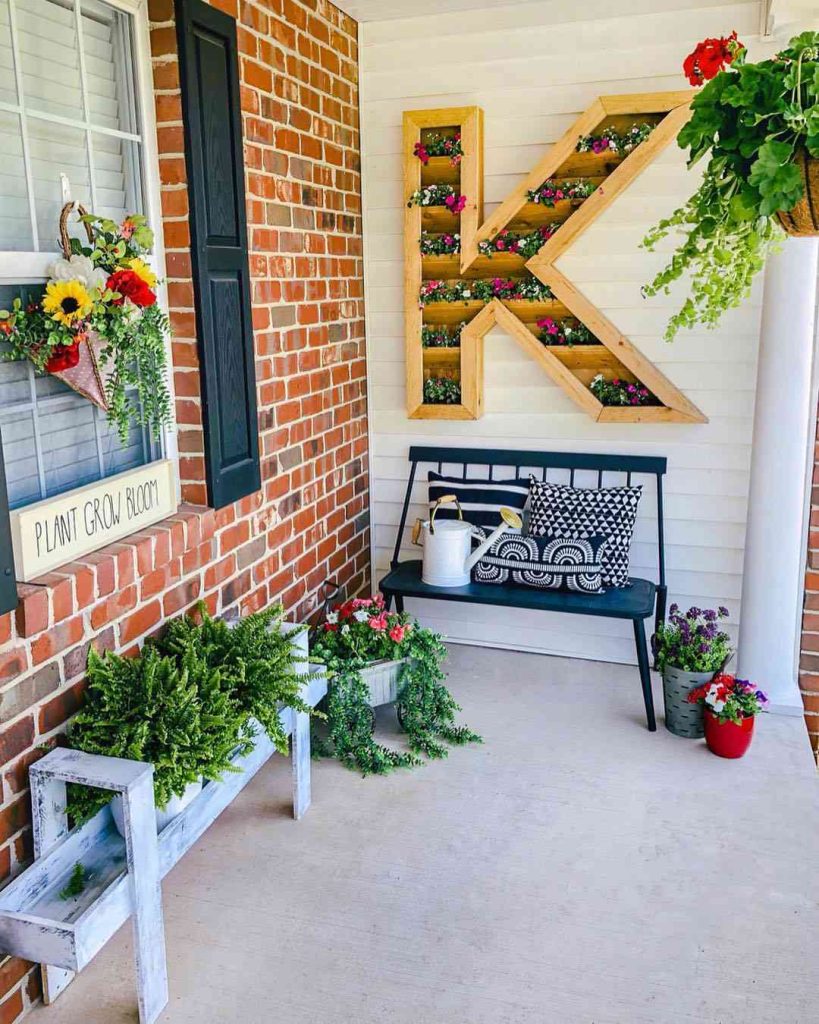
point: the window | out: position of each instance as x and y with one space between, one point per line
69 120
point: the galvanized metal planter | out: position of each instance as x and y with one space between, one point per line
383 679
682 718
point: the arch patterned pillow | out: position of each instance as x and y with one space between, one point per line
550 563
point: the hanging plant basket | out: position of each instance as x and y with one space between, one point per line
803 220
97 325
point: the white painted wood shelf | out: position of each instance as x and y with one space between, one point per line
65 934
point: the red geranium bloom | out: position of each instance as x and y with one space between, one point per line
710 57
64 357
130 286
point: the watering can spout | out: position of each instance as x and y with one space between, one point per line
509 518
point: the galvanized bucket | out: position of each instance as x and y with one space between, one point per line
383 679
682 718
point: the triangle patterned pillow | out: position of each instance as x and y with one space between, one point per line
580 513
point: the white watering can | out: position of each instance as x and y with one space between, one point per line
448 554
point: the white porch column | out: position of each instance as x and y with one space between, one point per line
772 583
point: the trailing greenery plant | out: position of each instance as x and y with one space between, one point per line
76 883
175 712
355 635
255 659
754 121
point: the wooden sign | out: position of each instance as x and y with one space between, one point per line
571 367
66 527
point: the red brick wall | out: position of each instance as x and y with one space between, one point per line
310 520
809 655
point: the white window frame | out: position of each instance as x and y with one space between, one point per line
32 267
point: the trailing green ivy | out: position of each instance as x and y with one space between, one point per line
357 634
754 120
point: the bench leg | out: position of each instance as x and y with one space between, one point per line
142 855
645 672
662 597
389 596
301 764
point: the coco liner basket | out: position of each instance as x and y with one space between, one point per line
803 220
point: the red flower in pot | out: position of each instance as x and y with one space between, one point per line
730 707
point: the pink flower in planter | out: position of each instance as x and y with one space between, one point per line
421 152
397 633
455 203
379 622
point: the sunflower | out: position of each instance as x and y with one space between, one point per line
143 271
67 302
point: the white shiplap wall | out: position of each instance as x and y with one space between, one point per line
533 68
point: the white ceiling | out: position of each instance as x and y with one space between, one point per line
385 10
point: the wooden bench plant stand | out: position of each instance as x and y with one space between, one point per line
123 874
640 600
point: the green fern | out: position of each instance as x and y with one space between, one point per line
175 713
256 661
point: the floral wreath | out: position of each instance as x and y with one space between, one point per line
98 326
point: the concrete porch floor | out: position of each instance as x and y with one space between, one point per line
575 869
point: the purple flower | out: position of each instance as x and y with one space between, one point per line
673 609
723 612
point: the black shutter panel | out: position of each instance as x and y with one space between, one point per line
209 75
8 584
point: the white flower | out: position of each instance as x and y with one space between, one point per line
78 268
362 615
345 628
332 618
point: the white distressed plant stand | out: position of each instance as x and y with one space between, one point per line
122 876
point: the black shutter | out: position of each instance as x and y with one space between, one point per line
209 75
8 584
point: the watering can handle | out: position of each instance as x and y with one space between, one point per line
445 499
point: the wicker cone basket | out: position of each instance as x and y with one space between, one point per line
90 376
803 220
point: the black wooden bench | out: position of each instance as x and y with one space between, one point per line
640 600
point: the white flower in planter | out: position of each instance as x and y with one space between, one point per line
79 268
332 618
362 615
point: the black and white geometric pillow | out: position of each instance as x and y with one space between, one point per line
580 513
545 562
480 500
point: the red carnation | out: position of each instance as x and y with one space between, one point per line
130 286
710 57
64 357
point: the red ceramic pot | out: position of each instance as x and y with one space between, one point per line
726 739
